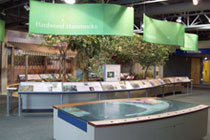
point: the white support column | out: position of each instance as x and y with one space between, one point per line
26 68
13 65
160 71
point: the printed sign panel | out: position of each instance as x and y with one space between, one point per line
112 73
40 87
81 86
163 32
80 19
190 42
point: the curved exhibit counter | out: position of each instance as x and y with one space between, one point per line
43 95
135 119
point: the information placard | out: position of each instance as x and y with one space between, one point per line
154 82
135 84
111 85
112 73
40 87
166 80
81 86
145 84
125 85
160 81
182 79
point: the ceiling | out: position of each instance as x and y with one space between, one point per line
196 18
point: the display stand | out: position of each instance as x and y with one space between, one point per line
136 119
43 95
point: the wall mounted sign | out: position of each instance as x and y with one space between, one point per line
80 19
112 73
2 30
190 42
163 32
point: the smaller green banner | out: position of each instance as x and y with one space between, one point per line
2 30
163 32
190 42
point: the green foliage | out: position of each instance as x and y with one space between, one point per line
95 51
63 44
73 79
129 49
140 75
51 80
135 50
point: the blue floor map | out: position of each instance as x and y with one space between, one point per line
124 109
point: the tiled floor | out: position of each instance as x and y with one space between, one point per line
39 126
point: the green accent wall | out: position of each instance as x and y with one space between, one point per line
2 30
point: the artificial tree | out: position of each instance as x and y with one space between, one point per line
135 50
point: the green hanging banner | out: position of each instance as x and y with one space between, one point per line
80 19
190 42
163 32
2 30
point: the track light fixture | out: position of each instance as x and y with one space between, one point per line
26 7
142 25
3 13
179 19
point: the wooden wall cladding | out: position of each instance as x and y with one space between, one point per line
196 70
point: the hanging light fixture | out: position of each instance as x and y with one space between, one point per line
70 1
195 2
179 19
26 7
3 13
142 25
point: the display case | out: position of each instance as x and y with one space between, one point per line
134 119
43 95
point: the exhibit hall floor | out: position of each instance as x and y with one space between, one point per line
39 126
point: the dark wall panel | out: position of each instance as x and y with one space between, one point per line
177 65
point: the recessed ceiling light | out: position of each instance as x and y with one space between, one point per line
70 1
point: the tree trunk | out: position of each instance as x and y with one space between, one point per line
85 75
60 68
63 69
145 73
131 68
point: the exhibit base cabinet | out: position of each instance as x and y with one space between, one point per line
188 127
164 126
47 101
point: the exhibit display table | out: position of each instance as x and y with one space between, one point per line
43 95
136 119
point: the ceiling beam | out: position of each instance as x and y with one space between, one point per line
126 1
4 1
173 8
